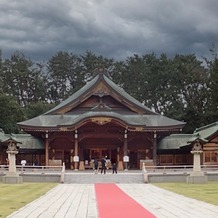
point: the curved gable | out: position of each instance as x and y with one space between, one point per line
100 86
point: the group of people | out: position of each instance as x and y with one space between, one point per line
104 166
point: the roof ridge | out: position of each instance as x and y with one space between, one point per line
206 126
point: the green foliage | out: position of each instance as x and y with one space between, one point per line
176 87
22 80
11 113
35 109
189 86
213 90
132 77
92 63
64 76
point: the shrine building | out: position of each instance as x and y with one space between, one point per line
99 120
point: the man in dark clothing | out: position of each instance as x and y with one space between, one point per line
96 165
114 168
103 165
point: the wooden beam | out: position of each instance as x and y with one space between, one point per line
46 151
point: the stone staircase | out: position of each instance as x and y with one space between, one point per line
89 177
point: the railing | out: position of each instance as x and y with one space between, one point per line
3 169
61 169
210 168
33 169
179 168
37 170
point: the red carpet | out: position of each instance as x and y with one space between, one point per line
112 202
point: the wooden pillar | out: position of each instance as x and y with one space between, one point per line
119 160
125 150
71 159
155 148
76 148
46 150
52 157
125 147
118 154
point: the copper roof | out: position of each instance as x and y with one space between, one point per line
146 118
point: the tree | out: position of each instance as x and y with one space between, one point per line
131 76
35 109
189 90
11 113
92 63
22 80
213 87
1 73
64 76
175 87
144 78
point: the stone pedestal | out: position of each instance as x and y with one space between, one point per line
197 161
81 165
11 176
120 165
145 173
197 176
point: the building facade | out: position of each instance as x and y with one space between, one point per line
99 120
175 149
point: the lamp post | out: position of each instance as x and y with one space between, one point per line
197 176
12 176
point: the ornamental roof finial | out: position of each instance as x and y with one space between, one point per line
101 69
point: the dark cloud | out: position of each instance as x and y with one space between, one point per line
115 29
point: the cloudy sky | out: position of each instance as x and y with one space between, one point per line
114 29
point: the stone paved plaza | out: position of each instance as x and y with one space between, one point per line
78 201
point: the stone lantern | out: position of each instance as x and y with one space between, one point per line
12 176
197 176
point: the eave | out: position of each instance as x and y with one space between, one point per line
73 127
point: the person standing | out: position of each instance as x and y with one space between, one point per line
103 165
96 165
35 163
23 164
114 168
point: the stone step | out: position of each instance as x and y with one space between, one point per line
91 177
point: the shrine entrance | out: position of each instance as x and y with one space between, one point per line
99 153
67 159
133 160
